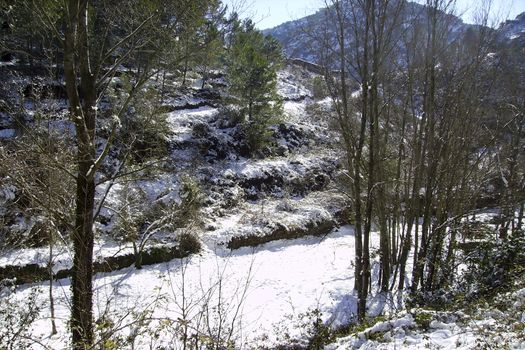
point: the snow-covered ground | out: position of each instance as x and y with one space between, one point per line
488 329
268 295
271 287
256 297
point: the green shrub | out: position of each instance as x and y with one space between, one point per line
423 319
319 88
188 211
146 135
231 116
144 126
251 64
188 243
257 132
494 264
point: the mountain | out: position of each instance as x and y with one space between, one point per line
514 30
296 41
298 37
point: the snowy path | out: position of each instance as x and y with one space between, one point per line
285 279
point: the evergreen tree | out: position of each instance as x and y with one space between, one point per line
252 64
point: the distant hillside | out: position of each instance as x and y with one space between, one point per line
294 38
514 30
298 37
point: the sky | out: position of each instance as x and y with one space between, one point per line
270 13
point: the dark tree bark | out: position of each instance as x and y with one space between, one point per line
79 77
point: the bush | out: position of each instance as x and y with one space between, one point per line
144 126
319 88
131 214
230 116
423 319
257 133
188 243
494 264
36 190
191 201
138 216
39 234
16 318
200 130
147 136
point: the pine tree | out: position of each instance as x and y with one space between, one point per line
252 64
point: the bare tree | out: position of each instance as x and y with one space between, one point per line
93 53
365 41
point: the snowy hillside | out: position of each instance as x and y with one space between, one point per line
286 193
169 180
277 255
514 30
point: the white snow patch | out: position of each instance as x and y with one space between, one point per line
7 133
284 279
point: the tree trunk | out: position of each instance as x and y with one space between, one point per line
50 272
137 251
83 113
82 272
520 216
353 155
186 61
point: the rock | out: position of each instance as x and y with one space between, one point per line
434 324
228 174
281 231
34 273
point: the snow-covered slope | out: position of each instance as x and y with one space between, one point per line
514 30
246 272
248 286
287 192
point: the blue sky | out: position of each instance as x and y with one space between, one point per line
269 13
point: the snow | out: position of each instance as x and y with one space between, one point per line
293 165
7 133
454 330
247 219
288 87
275 282
258 219
7 193
262 292
401 334
182 121
62 254
294 110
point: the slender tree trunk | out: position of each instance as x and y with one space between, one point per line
428 149
353 155
186 61
83 113
137 251
365 258
50 273
520 216
411 189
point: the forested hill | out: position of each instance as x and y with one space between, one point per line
300 38
514 30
